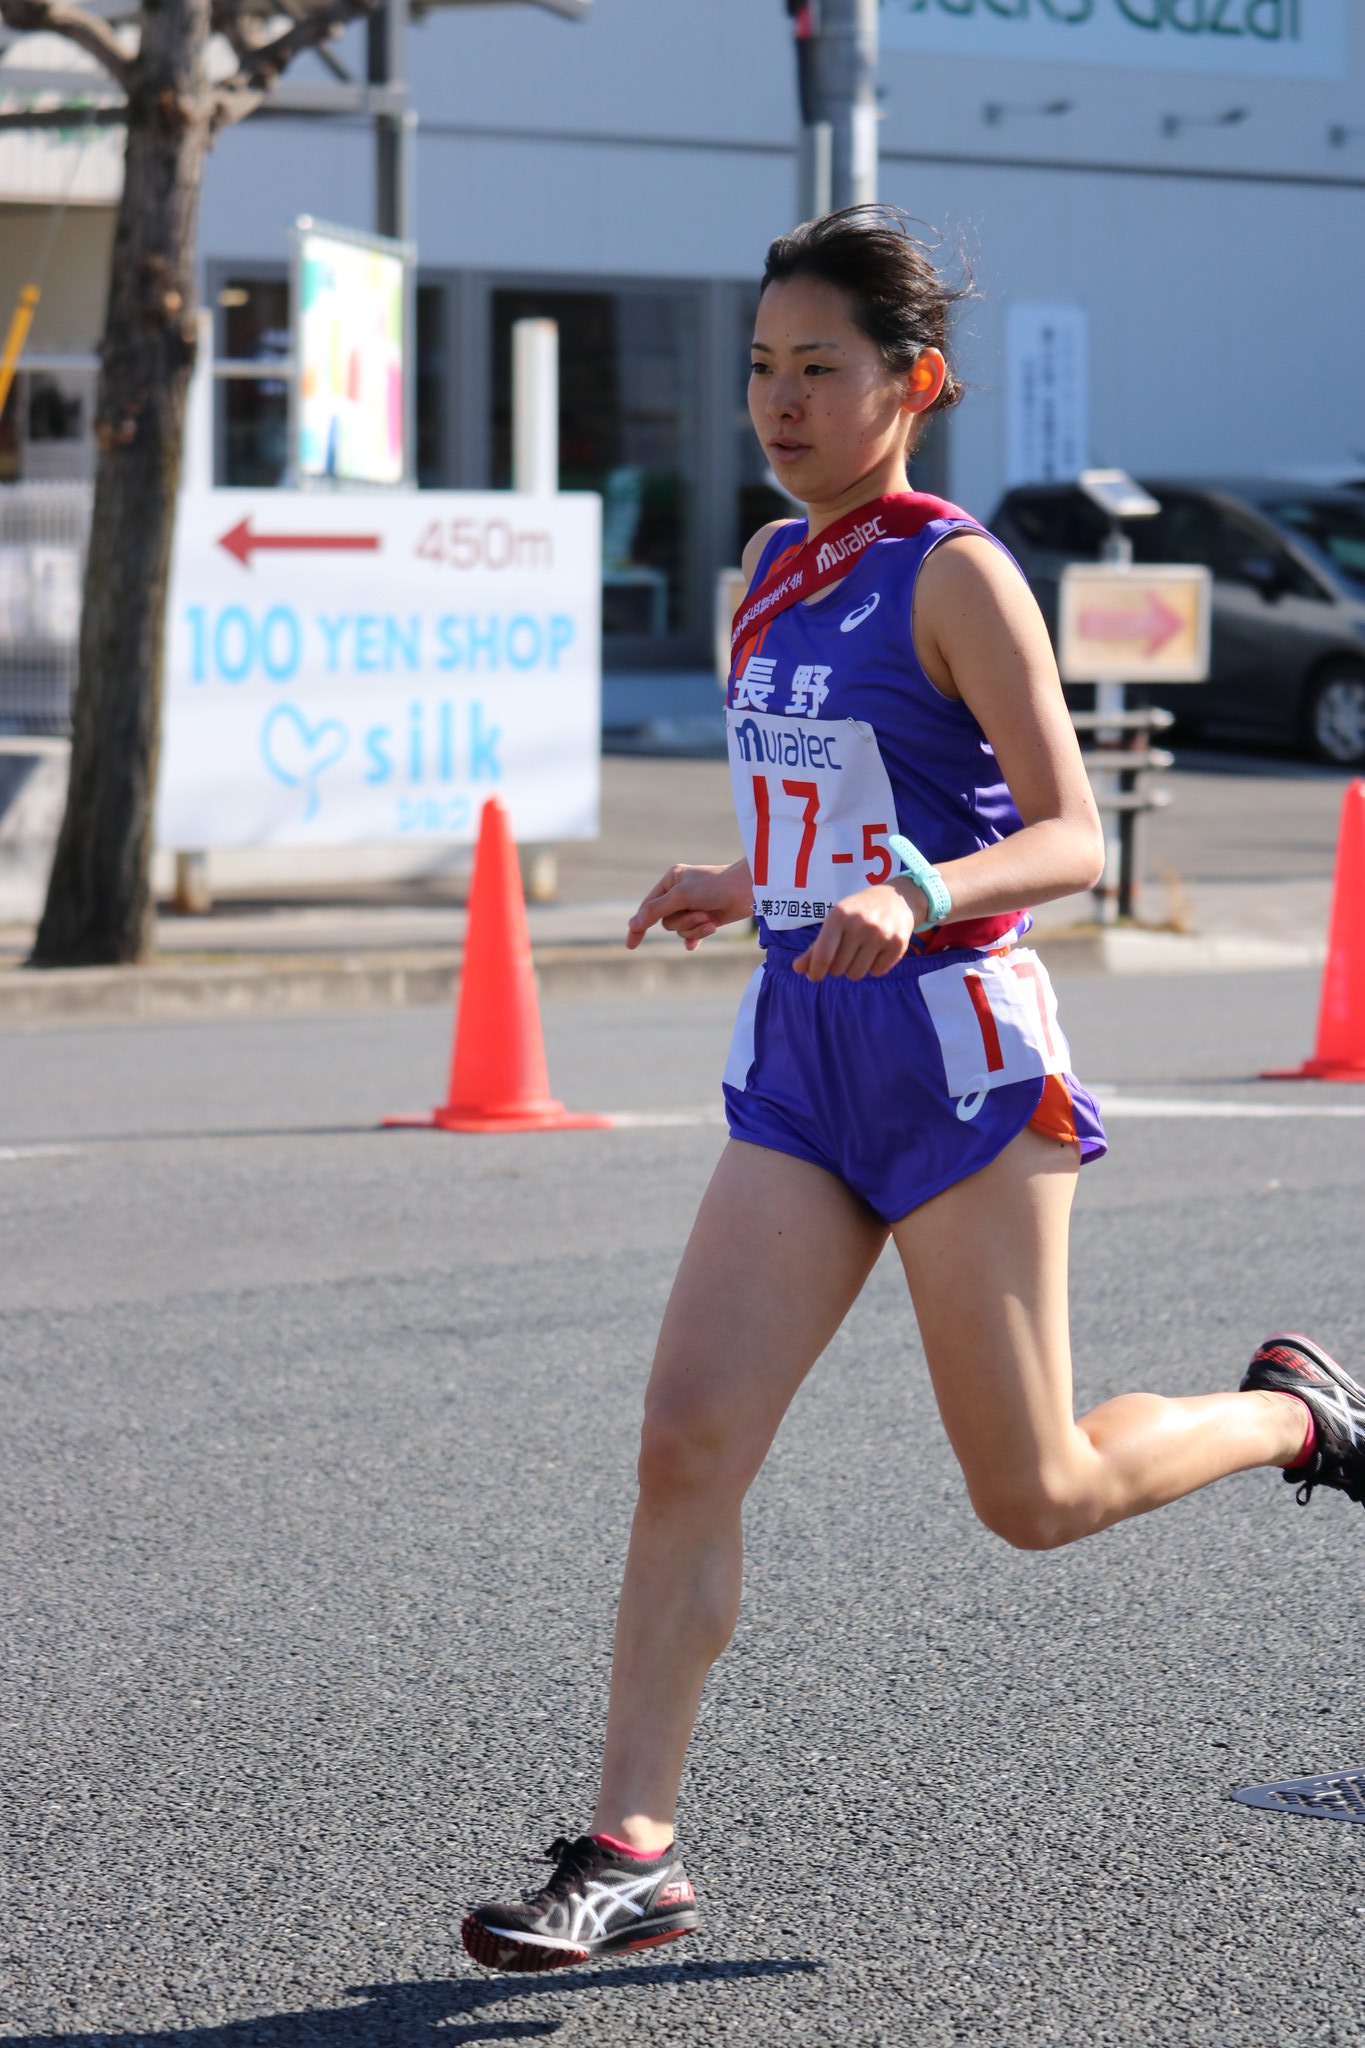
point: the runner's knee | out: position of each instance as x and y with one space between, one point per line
688 1448
1032 1511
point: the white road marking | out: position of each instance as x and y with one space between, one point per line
667 1119
1114 1103
9 1153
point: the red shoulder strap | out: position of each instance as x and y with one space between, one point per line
825 558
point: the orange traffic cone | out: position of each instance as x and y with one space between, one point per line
498 1077
1340 1051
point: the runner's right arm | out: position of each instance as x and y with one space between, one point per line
694 902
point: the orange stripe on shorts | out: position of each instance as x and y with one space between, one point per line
1054 1116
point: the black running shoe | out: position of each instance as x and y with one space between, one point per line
596 1904
1289 1364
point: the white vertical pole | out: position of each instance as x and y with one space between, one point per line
193 889
535 407
196 466
535 471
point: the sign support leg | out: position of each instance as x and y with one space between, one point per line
1113 883
535 470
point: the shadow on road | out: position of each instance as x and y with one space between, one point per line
392 2015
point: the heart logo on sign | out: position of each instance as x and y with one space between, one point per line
297 753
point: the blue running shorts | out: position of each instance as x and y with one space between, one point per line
904 1083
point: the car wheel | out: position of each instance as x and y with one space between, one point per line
1336 717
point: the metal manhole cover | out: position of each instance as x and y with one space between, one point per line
1337 1795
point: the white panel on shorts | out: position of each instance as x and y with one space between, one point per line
996 1020
740 1057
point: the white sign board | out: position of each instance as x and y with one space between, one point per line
1047 392
1149 624
1258 38
362 669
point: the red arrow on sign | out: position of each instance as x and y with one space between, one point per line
243 543
1153 622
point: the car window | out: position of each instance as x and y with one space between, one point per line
1243 550
1336 531
1059 523
1236 549
1184 530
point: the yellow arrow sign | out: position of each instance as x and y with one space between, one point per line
1141 625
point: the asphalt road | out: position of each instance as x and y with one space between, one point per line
315 1480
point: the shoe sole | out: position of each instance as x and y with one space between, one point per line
505 1952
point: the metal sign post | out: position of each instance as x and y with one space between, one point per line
836 73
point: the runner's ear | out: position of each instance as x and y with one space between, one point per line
925 380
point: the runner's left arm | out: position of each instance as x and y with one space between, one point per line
980 638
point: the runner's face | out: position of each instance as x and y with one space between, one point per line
833 420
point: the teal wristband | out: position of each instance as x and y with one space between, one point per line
925 876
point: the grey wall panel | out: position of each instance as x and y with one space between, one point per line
560 207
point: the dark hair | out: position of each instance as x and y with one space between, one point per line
896 294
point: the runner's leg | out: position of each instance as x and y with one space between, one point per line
778 1255
987 1266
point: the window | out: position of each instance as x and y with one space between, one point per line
432 411
1236 548
1060 522
1184 530
1337 531
627 428
255 329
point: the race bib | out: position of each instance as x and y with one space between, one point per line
814 804
996 1021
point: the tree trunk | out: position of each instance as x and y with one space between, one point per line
99 902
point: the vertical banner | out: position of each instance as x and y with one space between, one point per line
352 354
1047 392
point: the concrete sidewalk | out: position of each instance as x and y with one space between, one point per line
1239 875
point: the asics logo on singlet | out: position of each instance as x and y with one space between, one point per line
864 611
836 551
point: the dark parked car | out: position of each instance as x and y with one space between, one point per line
1288 563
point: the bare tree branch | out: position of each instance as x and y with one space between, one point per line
229 19
231 104
265 63
59 17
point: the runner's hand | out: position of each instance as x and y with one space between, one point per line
866 933
694 903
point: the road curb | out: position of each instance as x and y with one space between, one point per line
292 986
1135 949
286 985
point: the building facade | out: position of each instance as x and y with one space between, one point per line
1162 203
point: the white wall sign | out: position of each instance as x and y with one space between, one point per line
1266 38
1047 392
358 669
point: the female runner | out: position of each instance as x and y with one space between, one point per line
898 1069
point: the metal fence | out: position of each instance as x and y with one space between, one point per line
43 530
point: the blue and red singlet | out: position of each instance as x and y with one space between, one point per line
905 1083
